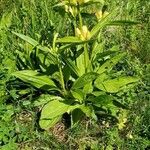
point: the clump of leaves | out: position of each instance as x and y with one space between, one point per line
74 71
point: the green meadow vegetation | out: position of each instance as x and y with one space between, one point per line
74 75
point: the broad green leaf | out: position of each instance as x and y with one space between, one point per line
101 24
97 48
34 78
88 88
88 111
84 79
70 44
32 41
80 64
115 85
101 78
122 22
105 102
73 107
47 58
109 64
98 93
56 76
66 73
26 38
101 100
48 123
69 39
76 116
71 65
54 109
104 54
78 95
43 99
64 47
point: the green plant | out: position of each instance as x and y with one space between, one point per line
73 71
7 134
41 20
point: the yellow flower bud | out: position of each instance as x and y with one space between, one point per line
121 125
107 125
83 34
99 14
78 32
66 8
124 120
71 11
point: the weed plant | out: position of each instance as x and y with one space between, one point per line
63 62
